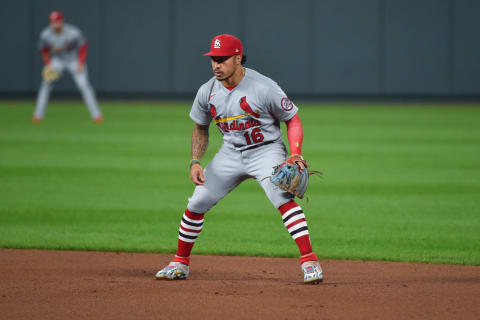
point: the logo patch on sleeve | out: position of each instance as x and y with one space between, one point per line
286 104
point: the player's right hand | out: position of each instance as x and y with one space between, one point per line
196 174
49 73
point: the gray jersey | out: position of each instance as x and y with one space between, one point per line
64 45
248 115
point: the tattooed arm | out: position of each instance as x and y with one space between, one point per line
199 146
199 141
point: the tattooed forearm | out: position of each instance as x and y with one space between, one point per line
199 141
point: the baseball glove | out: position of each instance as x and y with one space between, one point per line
49 73
290 177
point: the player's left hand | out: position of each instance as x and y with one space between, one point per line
293 176
80 67
298 160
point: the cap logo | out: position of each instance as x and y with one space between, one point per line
216 44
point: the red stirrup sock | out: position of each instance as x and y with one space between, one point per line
190 228
296 224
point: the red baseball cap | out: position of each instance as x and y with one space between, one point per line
225 45
55 16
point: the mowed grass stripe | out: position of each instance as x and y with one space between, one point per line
400 183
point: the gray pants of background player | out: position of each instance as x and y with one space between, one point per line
230 167
81 80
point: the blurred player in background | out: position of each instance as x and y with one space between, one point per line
63 46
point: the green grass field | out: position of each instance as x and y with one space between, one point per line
401 183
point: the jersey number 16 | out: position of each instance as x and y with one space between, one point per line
257 136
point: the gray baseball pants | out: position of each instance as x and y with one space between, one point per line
230 167
81 80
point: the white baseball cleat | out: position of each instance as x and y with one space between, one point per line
312 272
174 271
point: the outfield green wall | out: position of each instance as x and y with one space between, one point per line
319 48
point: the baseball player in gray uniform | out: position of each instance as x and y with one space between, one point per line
247 109
63 46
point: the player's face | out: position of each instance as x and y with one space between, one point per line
57 25
225 67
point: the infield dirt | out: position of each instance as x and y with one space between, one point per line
37 284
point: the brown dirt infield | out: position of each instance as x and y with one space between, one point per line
37 284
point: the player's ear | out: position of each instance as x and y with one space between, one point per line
238 59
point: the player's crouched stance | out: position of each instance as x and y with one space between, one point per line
63 46
247 108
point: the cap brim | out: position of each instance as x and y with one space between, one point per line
217 54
